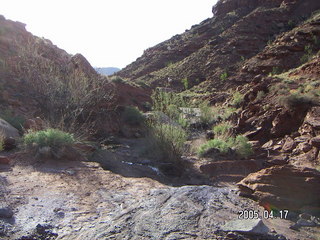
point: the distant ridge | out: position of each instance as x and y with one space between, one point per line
107 70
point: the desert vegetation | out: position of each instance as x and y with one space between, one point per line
68 98
48 143
226 142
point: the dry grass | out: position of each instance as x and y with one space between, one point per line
68 97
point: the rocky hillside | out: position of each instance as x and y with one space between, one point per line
33 71
238 32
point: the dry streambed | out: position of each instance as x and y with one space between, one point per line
80 200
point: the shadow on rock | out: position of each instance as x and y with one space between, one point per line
166 173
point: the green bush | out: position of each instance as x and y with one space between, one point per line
222 129
173 111
275 70
161 100
53 138
207 115
224 76
185 83
167 141
237 99
220 144
242 146
307 54
132 116
117 79
169 103
239 144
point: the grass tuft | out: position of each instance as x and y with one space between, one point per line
53 138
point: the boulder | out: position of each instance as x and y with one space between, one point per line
288 121
7 130
306 159
304 147
285 187
313 118
289 145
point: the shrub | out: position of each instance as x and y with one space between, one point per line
219 113
222 130
173 111
67 98
132 116
185 83
237 99
161 100
53 138
147 106
275 70
224 76
117 79
169 103
220 144
260 95
242 146
167 141
239 144
307 54
207 114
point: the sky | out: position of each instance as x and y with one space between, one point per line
109 33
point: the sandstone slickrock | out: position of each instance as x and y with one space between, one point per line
285 187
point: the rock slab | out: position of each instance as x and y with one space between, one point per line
285 187
247 226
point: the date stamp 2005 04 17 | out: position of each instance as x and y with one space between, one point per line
254 214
